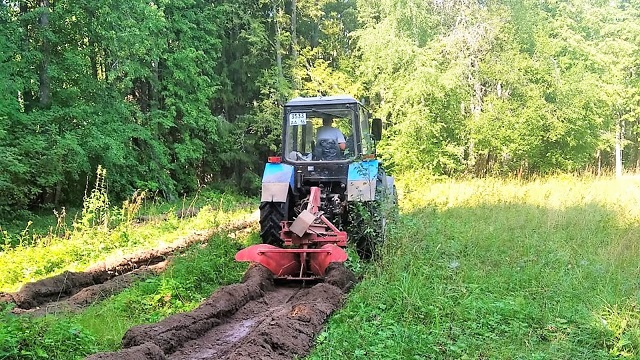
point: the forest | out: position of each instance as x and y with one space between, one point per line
172 95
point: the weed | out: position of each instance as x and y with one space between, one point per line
42 338
95 207
131 207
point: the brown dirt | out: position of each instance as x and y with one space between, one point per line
71 291
251 320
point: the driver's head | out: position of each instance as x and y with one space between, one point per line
327 120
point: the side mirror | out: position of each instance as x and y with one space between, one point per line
376 129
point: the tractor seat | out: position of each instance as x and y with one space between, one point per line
327 150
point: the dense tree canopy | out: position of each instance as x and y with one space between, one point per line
173 94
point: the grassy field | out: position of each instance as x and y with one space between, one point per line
477 269
191 277
102 231
496 269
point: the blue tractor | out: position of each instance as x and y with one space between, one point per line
325 191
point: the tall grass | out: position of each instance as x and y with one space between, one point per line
501 269
103 231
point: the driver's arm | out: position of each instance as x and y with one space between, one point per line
342 143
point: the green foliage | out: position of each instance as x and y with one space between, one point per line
42 338
170 96
500 88
151 92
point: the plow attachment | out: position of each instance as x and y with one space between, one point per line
293 263
311 243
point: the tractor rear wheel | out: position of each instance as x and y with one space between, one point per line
271 215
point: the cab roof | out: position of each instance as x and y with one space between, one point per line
322 100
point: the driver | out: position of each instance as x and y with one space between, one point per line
328 132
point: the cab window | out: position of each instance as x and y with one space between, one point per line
367 143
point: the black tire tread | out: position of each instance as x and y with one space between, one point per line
271 214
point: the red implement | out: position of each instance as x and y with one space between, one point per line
288 263
311 243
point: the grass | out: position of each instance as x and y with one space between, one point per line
99 232
103 232
190 279
88 241
500 269
477 269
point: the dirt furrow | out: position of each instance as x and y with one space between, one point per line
71 291
219 341
251 320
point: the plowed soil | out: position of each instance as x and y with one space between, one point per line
255 319
72 291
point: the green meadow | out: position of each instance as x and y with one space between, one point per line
500 269
101 232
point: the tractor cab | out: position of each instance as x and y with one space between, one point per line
326 129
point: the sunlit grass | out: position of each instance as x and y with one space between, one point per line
186 283
49 255
504 269
191 277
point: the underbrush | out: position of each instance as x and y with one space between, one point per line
500 269
191 278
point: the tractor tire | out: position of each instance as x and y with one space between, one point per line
271 215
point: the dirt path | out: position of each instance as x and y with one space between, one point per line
71 291
251 320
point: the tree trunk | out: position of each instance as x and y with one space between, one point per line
618 148
315 34
45 83
58 194
276 13
635 148
294 36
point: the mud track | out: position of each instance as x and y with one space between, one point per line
71 291
254 319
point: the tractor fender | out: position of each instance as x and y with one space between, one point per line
277 180
361 180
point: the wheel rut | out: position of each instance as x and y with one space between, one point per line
221 340
254 319
72 291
